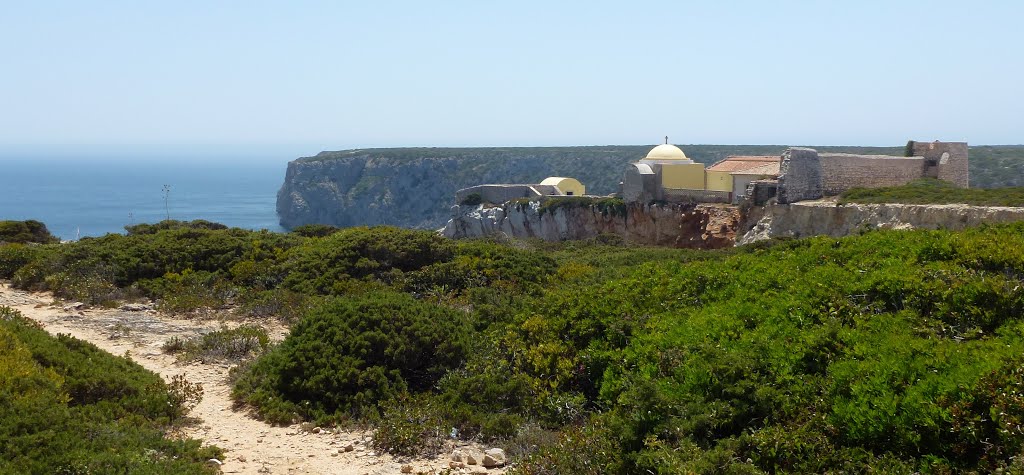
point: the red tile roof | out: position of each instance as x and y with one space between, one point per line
745 163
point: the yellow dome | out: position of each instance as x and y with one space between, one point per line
666 152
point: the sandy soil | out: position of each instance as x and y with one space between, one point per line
252 446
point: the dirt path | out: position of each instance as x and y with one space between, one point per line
252 446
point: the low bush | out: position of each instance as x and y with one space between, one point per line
336 263
315 230
472 199
225 345
933 191
68 407
349 355
144 228
22 232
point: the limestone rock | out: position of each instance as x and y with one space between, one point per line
700 226
493 458
471 459
407 468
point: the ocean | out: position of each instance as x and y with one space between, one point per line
79 197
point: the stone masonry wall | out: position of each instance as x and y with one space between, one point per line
949 159
799 175
842 171
503 193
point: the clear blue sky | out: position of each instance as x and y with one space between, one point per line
309 75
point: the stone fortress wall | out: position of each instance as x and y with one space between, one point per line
842 171
800 175
501 193
806 174
944 160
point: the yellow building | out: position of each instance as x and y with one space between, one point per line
667 174
568 186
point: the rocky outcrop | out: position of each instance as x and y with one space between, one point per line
700 226
826 217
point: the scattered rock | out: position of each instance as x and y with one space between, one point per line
493 458
73 306
407 468
215 462
317 430
349 448
456 465
458 456
134 307
470 459
241 458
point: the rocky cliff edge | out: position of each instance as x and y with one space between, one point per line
695 226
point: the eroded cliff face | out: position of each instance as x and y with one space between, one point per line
703 226
825 217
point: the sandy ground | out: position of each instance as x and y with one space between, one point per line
252 446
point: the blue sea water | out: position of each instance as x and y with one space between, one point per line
94 196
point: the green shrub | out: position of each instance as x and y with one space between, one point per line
15 256
472 199
409 427
315 230
933 191
322 266
349 355
22 232
68 407
169 224
225 345
589 449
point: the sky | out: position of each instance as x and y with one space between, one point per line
299 76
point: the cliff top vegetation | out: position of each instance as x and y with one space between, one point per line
932 191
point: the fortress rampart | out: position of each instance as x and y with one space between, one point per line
842 171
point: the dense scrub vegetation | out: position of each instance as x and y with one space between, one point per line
23 232
68 407
891 351
932 191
